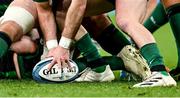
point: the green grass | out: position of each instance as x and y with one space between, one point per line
29 88
117 88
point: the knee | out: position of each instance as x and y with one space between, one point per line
123 23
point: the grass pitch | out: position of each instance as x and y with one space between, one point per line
29 88
117 88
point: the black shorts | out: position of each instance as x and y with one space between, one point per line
112 1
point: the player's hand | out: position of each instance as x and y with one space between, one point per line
60 56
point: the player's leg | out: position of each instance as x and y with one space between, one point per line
129 20
87 49
114 62
83 41
105 33
114 42
150 7
156 19
13 26
173 11
91 7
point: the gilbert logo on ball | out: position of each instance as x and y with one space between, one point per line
65 74
53 74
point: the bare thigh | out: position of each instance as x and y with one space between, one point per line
131 9
94 7
26 4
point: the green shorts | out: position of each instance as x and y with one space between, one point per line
7 68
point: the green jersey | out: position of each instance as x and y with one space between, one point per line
26 64
3 6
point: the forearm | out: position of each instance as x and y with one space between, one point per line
47 22
74 17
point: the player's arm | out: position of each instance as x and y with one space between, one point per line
74 17
73 20
47 22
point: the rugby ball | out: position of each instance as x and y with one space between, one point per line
40 72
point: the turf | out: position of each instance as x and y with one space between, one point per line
117 88
29 88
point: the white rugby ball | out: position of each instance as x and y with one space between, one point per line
57 75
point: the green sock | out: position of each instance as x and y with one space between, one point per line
112 40
174 19
82 63
5 43
151 53
89 51
100 69
157 18
164 73
115 63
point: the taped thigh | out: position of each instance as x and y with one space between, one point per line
21 16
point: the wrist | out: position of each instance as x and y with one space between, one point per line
65 42
51 44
